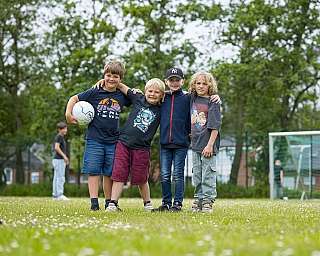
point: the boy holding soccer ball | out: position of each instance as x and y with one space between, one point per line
103 131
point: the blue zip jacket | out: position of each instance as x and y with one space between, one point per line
175 122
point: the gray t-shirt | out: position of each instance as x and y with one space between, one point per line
205 117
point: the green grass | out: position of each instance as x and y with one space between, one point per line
40 226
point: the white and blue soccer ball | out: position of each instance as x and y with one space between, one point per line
84 112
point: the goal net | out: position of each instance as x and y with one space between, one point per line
294 164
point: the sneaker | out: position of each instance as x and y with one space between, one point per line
162 208
148 206
207 207
62 198
196 206
95 207
113 207
106 203
176 208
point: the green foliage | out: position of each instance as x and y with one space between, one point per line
73 190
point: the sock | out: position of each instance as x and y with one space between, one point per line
114 201
107 201
94 201
146 202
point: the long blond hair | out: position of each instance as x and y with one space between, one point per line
210 80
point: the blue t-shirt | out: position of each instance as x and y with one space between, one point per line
104 127
142 123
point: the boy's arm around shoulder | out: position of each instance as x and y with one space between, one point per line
123 88
69 117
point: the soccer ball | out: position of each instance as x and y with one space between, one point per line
83 112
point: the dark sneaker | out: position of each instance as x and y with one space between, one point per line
207 207
162 208
113 207
176 208
95 207
196 206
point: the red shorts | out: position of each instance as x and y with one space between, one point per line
133 161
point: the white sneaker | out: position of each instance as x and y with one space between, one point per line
62 198
148 207
112 207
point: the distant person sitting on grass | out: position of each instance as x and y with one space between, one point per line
205 139
132 156
59 162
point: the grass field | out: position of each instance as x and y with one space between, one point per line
40 226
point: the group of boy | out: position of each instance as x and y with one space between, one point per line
116 153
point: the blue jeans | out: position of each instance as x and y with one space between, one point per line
175 156
59 168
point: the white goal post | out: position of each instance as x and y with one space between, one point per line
298 155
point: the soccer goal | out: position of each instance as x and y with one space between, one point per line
294 164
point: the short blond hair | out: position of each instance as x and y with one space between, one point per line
210 80
114 67
157 83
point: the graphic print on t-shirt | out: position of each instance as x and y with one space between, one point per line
109 108
199 115
143 120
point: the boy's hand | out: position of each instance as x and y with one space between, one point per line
215 98
207 151
99 84
135 91
66 160
71 119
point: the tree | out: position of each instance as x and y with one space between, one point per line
78 46
17 55
275 71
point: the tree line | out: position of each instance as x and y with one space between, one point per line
50 50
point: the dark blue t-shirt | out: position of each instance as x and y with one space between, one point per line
104 127
142 123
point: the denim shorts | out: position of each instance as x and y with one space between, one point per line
98 158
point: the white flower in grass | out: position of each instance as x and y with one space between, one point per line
252 241
146 237
14 244
63 254
226 252
86 252
200 243
279 243
207 238
171 230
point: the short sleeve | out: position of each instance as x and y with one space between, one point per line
86 94
214 116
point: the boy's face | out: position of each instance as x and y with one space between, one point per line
63 131
174 83
202 87
153 95
111 81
